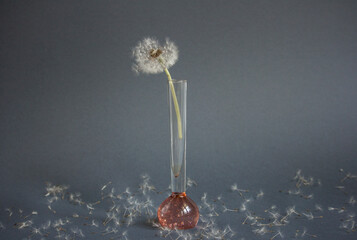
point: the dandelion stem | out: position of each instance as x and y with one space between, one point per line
174 98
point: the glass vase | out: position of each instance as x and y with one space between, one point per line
178 211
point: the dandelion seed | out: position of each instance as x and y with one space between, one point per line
58 223
234 188
191 182
349 176
9 211
318 208
341 210
46 225
243 207
294 192
32 213
261 231
310 196
273 207
352 201
277 223
304 232
2 226
77 232
94 224
319 182
105 186
54 190
25 224
36 231
127 191
275 215
145 186
129 221
124 235
277 234
309 216
225 209
291 210
260 194
228 230
52 199
251 218
50 208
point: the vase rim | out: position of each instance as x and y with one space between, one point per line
179 81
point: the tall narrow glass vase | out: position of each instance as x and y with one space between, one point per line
178 211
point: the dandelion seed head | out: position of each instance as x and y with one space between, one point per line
148 53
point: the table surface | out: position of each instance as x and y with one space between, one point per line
300 207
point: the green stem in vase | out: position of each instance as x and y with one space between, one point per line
174 98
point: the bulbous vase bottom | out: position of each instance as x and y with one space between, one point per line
178 211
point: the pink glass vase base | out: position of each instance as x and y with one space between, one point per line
178 212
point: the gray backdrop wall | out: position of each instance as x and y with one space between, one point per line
271 89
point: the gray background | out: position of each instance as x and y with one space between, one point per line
272 88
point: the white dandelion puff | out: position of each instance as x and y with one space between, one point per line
151 57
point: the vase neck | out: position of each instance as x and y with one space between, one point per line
177 96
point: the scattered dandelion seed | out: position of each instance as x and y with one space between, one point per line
318 207
349 176
46 225
277 234
9 211
260 194
352 201
22 225
105 186
32 213
261 231
50 208
190 182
